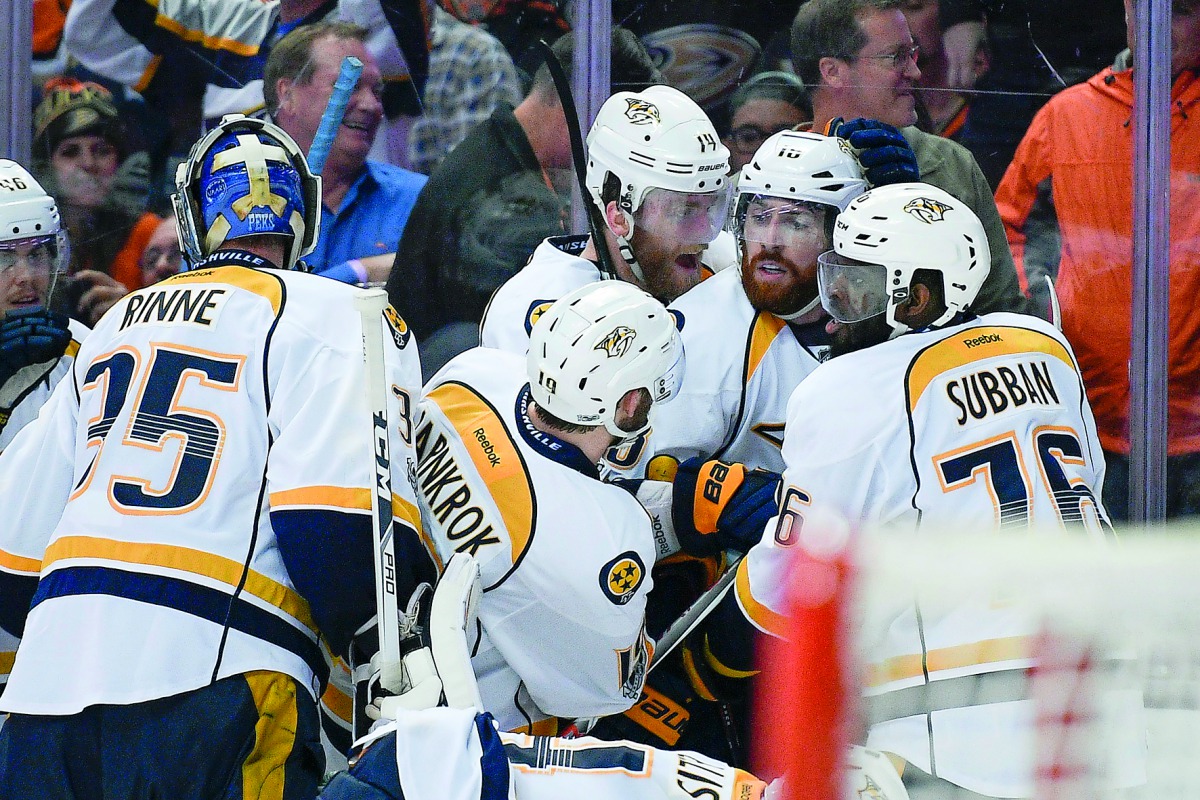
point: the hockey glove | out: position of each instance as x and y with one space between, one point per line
659 717
31 342
719 506
885 155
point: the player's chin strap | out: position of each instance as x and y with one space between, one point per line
795 315
596 224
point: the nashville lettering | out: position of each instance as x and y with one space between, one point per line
448 496
991 391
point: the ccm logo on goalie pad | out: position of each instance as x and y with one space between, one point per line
398 327
621 577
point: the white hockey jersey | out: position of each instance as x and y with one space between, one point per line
190 484
977 428
22 414
565 559
742 365
455 754
553 270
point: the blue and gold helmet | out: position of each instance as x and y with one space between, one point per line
246 177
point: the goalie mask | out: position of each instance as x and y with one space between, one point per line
889 233
246 177
598 343
669 161
31 233
787 197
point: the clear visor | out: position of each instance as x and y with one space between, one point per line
779 221
851 290
682 217
37 254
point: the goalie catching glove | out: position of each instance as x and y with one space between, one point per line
722 506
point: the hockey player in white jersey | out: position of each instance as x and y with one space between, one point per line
932 418
657 172
37 345
507 450
190 514
758 330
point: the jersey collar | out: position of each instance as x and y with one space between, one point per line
548 444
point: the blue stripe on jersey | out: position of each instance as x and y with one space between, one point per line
493 763
16 595
189 598
330 558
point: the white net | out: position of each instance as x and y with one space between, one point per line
1031 666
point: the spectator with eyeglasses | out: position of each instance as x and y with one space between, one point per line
859 62
766 104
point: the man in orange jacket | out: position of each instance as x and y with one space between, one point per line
1066 201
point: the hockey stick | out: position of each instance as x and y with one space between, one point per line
370 304
579 158
343 87
696 613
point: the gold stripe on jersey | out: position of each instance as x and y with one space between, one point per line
15 563
260 283
762 617
184 559
495 456
766 328
264 770
987 651
72 349
7 659
337 702
977 344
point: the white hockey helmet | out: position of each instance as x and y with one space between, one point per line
791 172
246 177
597 343
807 167
886 235
28 215
665 151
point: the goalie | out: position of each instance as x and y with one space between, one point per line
424 750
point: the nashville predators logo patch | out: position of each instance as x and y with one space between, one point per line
871 791
621 577
536 309
639 112
398 327
927 210
617 343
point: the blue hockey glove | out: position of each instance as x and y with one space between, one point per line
719 506
885 155
31 341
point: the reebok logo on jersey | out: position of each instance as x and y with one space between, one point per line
927 209
488 449
621 577
617 342
986 338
